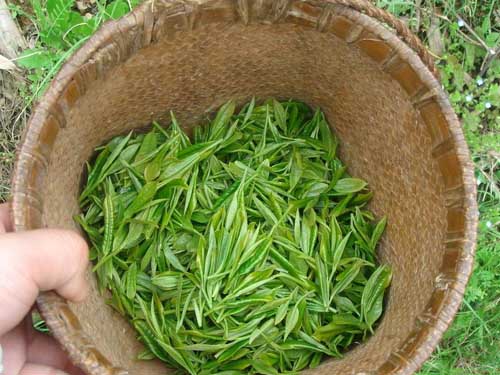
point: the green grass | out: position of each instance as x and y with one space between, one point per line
472 344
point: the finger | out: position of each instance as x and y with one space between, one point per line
5 222
39 260
36 369
45 350
24 344
14 350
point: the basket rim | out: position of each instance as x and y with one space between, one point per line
56 311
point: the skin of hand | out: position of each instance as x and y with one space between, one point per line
30 262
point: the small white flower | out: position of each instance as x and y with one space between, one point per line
478 182
480 81
468 98
461 22
489 224
487 105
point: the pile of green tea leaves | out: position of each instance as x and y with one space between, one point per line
243 250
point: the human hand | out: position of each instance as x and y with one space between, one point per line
30 262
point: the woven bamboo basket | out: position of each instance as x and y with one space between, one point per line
380 91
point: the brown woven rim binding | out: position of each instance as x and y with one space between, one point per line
399 26
424 90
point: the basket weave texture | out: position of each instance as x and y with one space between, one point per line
380 91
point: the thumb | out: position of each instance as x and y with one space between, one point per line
39 260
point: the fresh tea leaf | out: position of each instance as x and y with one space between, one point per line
242 250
